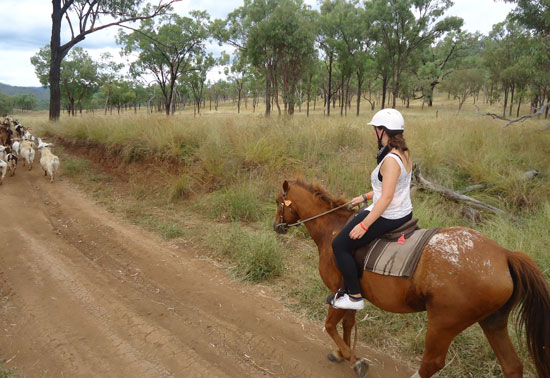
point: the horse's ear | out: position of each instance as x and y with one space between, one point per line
285 186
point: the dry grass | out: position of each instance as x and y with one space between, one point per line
232 166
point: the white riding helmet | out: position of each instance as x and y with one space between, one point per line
391 119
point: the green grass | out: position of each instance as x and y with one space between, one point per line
257 255
6 373
74 166
231 167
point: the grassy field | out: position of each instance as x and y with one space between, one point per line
222 170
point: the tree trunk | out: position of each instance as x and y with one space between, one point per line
384 90
329 94
239 101
505 101
267 93
108 98
519 105
359 85
55 62
511 99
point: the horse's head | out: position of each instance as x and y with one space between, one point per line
300 202
286 212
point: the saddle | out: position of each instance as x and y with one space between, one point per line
395 253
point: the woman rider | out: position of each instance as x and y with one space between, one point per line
391 206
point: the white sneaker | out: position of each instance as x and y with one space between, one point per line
344 302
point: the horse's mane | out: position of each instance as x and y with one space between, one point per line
316 189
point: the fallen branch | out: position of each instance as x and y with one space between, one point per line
520 119
454 195
471 189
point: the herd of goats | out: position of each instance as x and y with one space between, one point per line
21 146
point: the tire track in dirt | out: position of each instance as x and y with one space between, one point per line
84 295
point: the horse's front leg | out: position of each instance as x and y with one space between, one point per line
334 316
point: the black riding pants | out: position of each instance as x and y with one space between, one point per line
343 245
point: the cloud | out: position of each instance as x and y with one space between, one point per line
26 24
27 28
18 70
480 15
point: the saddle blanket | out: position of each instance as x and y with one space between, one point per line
395 257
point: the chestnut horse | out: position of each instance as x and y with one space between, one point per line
462 278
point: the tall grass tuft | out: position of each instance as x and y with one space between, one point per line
74 167
234 203
5 373
257 254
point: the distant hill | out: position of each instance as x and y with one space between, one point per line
42 94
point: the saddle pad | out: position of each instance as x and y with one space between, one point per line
393 258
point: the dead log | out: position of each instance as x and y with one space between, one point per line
454 195
471 188
519 119
530 174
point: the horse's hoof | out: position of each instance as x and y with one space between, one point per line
335 356
361 368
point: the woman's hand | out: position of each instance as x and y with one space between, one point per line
357 200
358 231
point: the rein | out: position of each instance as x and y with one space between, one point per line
300 222
286 202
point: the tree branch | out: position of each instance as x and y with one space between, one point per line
520 119
83 34
453 195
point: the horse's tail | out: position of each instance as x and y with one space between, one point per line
532 295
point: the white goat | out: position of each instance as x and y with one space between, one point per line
28 136
27 152
16 147
48 161
3 152
3 169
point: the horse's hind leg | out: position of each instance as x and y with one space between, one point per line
439 336
495 328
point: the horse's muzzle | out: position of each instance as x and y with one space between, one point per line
280 228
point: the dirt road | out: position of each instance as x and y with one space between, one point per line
82 294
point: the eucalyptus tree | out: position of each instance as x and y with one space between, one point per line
248 22
24 101
109 73
79 75
82 18
329 39
254 82
195 78
404 26
6 103
122 95
356 50
276 37
167 50
463 83
503 54
292 28
142 93
236 73
534 15
447 55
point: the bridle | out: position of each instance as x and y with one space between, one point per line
286 203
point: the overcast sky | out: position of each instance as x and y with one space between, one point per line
26 27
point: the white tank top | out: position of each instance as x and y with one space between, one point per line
401 204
